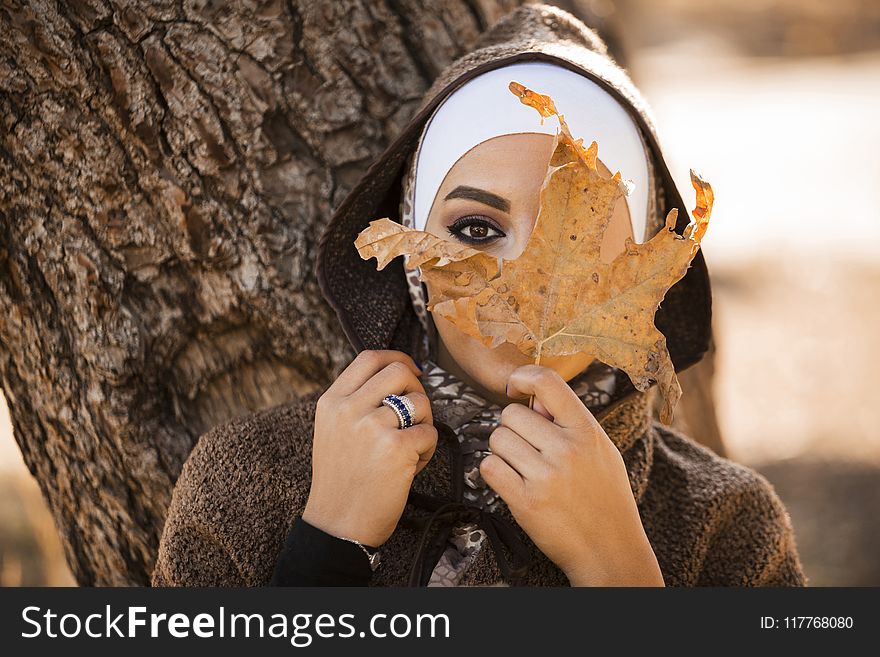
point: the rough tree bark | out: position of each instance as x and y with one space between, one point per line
165 169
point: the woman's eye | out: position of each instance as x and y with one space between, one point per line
475 230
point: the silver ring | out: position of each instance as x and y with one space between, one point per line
403 407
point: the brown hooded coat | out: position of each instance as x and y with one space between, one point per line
709 520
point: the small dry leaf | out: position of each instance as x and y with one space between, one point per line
558 298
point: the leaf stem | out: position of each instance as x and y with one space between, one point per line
537 362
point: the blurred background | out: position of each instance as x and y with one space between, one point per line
776 103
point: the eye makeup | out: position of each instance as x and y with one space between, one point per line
475 230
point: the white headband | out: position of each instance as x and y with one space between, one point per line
484 107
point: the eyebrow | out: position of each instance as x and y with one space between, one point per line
480 195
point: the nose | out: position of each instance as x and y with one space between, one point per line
524 222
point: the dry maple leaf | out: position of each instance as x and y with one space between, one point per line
558 298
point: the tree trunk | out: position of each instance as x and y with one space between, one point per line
165 171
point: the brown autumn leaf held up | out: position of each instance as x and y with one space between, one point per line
558 298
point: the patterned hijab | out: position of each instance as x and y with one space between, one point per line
473 418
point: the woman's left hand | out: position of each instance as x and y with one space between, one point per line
567 486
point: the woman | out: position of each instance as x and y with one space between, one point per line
452 482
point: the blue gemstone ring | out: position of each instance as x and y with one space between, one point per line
403 407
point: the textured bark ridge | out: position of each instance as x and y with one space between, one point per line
165 169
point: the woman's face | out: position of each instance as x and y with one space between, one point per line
489 200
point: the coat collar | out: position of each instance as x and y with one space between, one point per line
627 423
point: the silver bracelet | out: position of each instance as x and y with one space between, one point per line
374 557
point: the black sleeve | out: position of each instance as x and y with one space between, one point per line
312 557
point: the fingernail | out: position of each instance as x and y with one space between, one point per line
506 386
419 365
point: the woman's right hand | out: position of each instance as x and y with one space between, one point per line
363 465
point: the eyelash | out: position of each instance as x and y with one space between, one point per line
456 228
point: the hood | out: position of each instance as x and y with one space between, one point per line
374 307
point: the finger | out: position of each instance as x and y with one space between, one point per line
365 365
540 409
396 378
423 438
503 479
516 451
533 427
551 390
